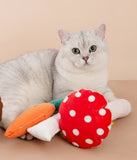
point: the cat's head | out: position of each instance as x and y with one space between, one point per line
84 49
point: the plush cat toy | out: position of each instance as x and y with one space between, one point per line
84 119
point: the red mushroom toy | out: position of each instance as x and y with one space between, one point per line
84 119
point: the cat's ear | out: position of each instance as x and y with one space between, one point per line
64 36
100 31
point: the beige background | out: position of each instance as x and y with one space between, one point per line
29 25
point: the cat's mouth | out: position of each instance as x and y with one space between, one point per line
89 63
86 63
83 63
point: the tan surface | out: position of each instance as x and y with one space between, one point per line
29 25
121 143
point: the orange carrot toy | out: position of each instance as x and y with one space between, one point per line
28 119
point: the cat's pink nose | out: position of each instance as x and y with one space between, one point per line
86 58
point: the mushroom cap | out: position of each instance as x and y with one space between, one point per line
84 120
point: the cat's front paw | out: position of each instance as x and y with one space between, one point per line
109 95
27 137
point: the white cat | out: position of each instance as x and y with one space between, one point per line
82 63
42 76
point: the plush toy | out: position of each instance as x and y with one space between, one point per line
87 119
68 118
84 119
29 118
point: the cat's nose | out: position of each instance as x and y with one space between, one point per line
86 58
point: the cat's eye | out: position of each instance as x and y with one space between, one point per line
75 51
93 48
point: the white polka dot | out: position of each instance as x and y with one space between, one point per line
91 98
87 119
65 100
75 132
109 127
78 94
100 131
75 144
64 133
102 112
59 115
89 141
72 113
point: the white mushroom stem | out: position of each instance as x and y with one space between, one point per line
46 129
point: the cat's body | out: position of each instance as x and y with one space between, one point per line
42 76
25 82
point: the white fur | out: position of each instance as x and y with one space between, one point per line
28 80
72 72
25 82
119 108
